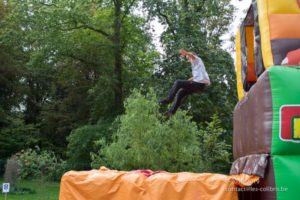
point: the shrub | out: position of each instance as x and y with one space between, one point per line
11 171
40 164
145 139
14 138
82 143
214 151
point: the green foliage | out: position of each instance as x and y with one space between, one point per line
214 151
66 64
16 136
58 64
197 26
36 164
82 142
145 139
10 73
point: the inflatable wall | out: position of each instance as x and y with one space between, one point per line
267 117
267 125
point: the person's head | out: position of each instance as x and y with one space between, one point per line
184 53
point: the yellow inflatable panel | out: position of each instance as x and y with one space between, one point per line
263 6
108 184
238 66
283 7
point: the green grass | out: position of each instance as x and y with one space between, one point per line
43 190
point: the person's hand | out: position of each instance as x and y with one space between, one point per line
190 79
183 52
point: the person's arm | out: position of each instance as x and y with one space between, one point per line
190 79
187 53
191 55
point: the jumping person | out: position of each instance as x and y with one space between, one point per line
182 88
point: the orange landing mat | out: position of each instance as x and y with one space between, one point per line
105 184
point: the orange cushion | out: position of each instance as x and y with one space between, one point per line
108 184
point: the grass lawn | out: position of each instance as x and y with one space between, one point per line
43 190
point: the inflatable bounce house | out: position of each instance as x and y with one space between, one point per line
267 117
266 140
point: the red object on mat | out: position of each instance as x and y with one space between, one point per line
147 172
294 56
298 3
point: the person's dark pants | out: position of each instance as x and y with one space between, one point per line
180 89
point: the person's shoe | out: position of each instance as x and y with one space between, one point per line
163 102
168 114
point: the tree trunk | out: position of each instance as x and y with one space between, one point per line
187 19
118 90
32 109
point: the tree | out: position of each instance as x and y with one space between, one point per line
9 73
82 143
144 140
80 60
197 26
214 151
66 67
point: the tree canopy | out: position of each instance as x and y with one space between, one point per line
67 68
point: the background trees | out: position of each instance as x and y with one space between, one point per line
197 26
66 68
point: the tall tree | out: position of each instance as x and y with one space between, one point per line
197 26
82 58
14 133
9 72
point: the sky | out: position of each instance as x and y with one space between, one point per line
241 7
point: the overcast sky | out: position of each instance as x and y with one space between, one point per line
238 16
241 8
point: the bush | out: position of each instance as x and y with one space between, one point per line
145 139
214 151
14 138
40 164
82 143
11 171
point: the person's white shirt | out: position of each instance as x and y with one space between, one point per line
199 72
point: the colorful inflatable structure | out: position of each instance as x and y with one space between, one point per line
266 140
267 118
268 33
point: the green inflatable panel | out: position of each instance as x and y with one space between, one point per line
285 149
